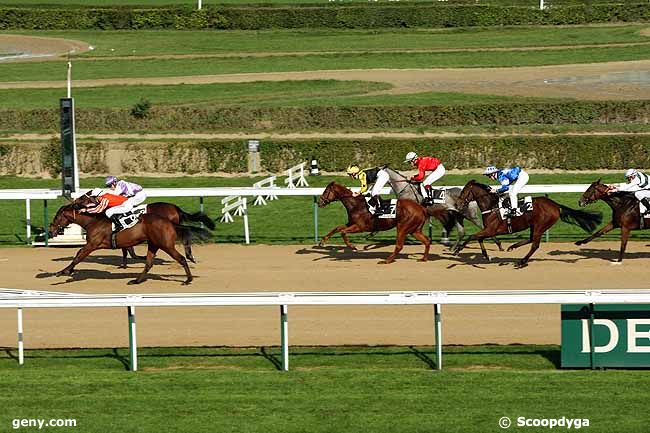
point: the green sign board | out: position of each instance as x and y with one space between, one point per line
606 335
67 145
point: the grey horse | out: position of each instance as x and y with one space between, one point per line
404 188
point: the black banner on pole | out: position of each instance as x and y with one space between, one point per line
67 145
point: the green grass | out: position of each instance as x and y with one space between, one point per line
348 389
288 220
165 42
255 94
133 68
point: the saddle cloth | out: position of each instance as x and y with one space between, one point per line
132 217
524 205
439 196
388 210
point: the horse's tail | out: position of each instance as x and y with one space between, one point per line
586 220
187 233
196 217
447 217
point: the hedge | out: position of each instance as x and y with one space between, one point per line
313 16
229 156
332 118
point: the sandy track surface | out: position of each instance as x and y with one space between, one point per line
22 48
236 268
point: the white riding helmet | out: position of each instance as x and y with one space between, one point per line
631 172
490 170
410 156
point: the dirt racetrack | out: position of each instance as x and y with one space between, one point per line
236 268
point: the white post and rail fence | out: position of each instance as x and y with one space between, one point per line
23 299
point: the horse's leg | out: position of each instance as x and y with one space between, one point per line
81 254
461 234
480 235
354 228
535 239
330 234
187 244
497 242
171 250
134 255
151 253
522 243
625 234
399 244
427 244
599 233
478 222
125 252
483 250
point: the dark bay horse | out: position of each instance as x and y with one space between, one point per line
159 233
173 213
625 213
545 213
410 219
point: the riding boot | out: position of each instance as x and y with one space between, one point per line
118 225
375 202
428 198
646 203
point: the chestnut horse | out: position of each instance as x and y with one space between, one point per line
409 220
545 213
625 213
166 210
159 233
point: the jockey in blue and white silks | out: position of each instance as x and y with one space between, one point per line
512 179
638 183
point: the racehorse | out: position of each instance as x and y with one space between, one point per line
403 187
625 213
409 220
173 213
545 213
159 233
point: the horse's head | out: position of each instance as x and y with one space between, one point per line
333 192
65 216
473 191
85 200
595 192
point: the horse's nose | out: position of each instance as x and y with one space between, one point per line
581 203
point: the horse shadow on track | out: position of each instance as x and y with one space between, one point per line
93 274
112 260
608 254
344 254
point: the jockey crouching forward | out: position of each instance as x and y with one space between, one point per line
377 177
424 164
638 183
106 201
512 179
132 191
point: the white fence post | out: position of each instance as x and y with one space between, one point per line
296 170
21 348
284 336
269 182
245 214
240 209
133 343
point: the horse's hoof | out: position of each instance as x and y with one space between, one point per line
132 282
521 265
63 273
385 262
423 260
510 249
578 243
122 267
191 259
617 263
186 283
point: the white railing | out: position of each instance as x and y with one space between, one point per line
269 182
20 299
238 204
45 194
297 171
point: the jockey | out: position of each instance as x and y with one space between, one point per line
638 183
512 180
424 164
106 202
134 193
376 176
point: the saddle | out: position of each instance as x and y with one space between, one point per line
386 208
523 205
131 218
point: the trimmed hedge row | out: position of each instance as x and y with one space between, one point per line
333 118
558 152
314 16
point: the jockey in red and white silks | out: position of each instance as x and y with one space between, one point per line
424 164
133 191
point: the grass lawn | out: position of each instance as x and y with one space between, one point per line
111 43
287 220
140 68
329 389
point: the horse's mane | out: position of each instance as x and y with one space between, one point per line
481 185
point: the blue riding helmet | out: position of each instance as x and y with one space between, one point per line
110 180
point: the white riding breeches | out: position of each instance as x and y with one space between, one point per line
382 180
644 193
129 204
434 176
521 181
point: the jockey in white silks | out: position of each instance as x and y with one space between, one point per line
638 183
133 191
512 179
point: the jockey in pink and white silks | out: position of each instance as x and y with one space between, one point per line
133 191
638 183
512 180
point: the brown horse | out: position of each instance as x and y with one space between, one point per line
625 213
545 213
409 220
159 233
173 213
